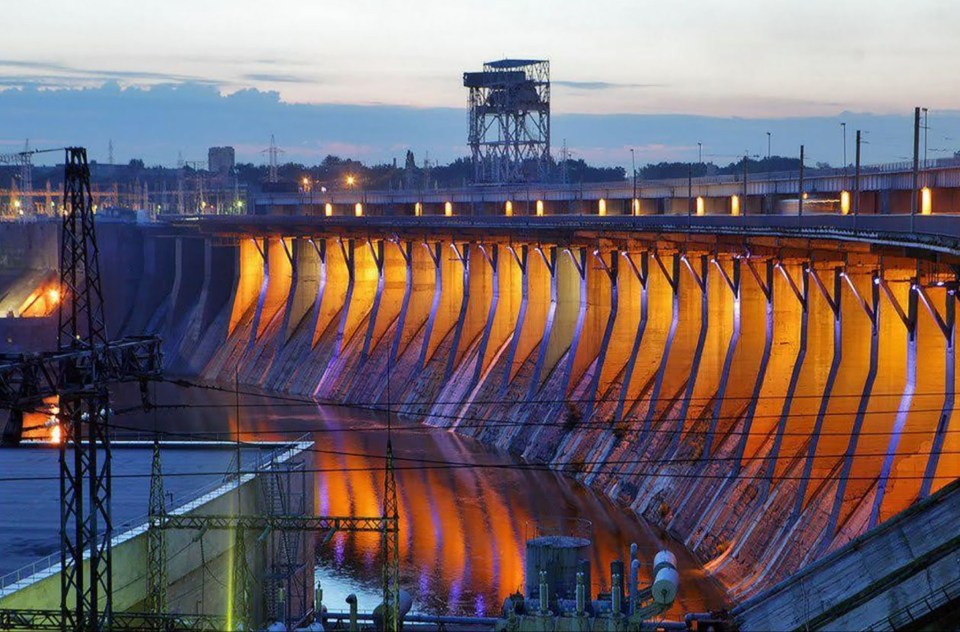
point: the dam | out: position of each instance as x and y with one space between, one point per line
766 390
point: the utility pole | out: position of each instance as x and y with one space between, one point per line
926 128
633 163
800 197
743 206
843 128
856 181
916 166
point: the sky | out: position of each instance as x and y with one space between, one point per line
790 67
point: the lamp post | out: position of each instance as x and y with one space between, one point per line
633 164
768 156
925 128
843 132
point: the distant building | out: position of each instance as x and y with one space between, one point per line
220 159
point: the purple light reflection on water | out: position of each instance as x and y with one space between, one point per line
340 548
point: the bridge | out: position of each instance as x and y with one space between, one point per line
874 189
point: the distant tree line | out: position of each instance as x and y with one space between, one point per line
334 172
664 170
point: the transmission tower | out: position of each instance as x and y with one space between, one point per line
26 175
85 449
390 538
24 160
156 539
273 156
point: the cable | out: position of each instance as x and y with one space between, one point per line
438 402
577 467
489 421
495 422
197 434
531 467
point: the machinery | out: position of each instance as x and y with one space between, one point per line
559 601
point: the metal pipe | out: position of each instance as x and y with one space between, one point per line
542 593
318 604
581 594
352 601
419 618
616 595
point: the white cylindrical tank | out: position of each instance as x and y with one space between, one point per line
665 585
664 558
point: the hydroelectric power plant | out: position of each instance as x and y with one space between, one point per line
711 403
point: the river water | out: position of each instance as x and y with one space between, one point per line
462 529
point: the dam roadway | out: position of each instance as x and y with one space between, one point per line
766 388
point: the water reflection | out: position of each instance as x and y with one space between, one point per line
462 529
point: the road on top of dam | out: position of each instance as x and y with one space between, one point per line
463 529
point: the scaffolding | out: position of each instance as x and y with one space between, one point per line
509 125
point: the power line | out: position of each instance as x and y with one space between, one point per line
528 467
508 400
492 422
427 464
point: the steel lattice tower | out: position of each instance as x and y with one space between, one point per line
390 547
83 413
509 126
156 539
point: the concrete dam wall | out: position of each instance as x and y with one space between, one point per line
758 397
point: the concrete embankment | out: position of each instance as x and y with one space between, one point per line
200 558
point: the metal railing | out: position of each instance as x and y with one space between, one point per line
919 608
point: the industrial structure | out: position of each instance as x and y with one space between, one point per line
78 374
509 128
221 160
762 367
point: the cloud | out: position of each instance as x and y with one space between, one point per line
267 77
605 85
157 122
66 74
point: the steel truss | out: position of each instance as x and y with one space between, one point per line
78 372
323 524
85 445
509 126
27 379
37 619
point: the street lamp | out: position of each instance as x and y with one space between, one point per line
351 180
769 136
843 130
633 164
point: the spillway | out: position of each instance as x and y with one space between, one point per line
765 398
